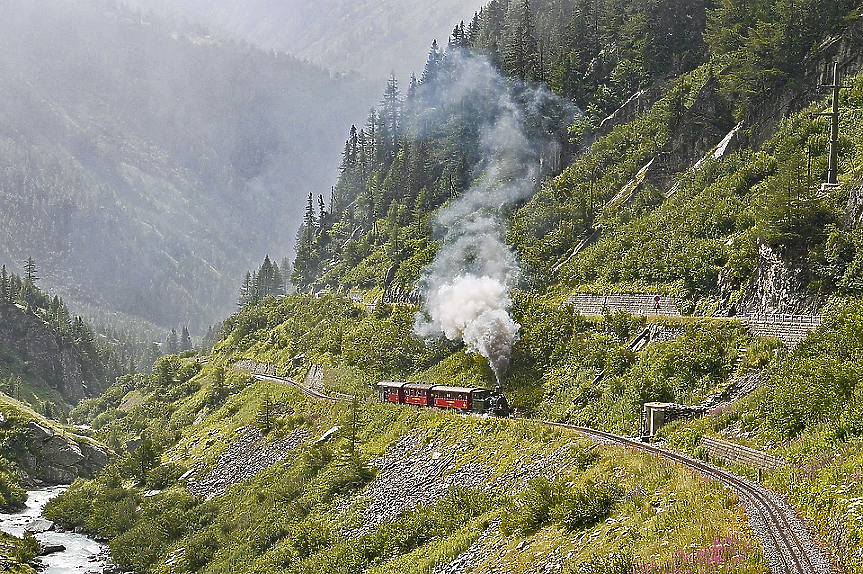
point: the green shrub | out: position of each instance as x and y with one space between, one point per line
574 506
587 505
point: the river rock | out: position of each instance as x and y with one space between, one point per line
51 549
38 525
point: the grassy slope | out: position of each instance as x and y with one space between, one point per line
293 516
716 220
809 413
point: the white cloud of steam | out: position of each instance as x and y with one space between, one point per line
467 285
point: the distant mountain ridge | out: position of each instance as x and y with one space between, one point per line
373 37
143 166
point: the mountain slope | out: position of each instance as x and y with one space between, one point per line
374 38
125 143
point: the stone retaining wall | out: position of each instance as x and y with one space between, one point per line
790 329
589 304
737 453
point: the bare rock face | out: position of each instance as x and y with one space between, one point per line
60 459
778 286
854 209
696 131
42 349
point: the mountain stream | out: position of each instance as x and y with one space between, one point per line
82 555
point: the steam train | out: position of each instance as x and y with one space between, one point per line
459 398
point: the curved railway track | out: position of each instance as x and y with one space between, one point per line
308 391
786 541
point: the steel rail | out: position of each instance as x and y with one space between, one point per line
790 550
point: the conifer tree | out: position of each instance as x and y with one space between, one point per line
172 343
264 283
185 339
391 117
433 64
521 48
286 275
473 30
458 39
247 290
5 288
30 271
15 285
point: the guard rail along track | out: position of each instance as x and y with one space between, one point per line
786 541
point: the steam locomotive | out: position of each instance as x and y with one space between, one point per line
459 398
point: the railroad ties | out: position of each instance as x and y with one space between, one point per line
786 540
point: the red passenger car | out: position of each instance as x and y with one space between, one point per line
461 398
391 392
418 394
451 397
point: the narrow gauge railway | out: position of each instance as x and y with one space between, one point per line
308 391
786 541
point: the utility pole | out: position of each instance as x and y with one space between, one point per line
833 165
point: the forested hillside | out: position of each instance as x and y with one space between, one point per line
49 358
144 165
549 148
685 82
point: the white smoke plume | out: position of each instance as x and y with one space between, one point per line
467 285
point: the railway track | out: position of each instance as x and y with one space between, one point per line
786 540
308 391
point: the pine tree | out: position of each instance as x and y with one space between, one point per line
185 339
490 30
473 30
30 271
15 286
458 39
433 64
5 288
305 265
172 343
264 283
322 210
391 117
286 276
247 290
521 48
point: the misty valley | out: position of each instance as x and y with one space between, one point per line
518 286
